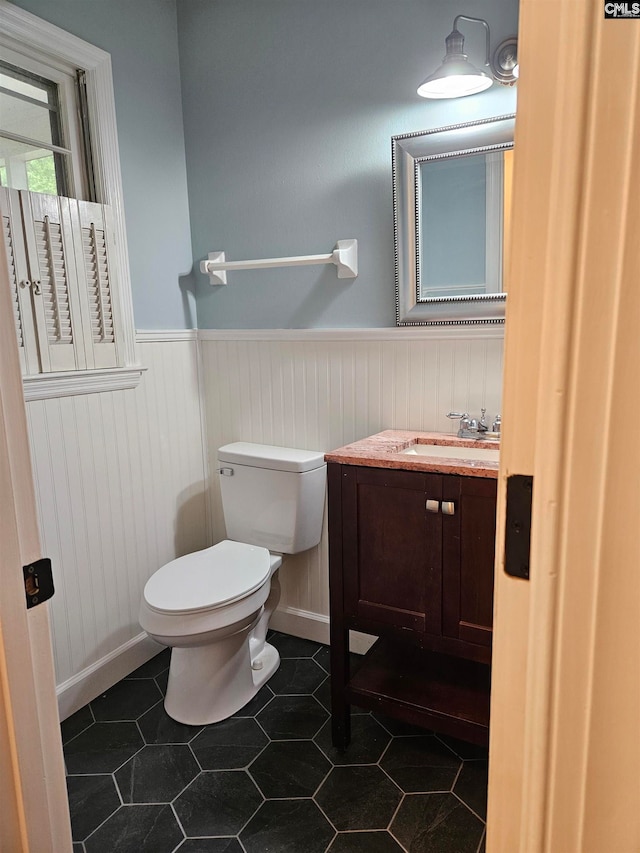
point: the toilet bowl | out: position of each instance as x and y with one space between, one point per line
212 607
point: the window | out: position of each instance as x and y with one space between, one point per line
61 200
32 152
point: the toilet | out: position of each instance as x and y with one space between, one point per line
213 607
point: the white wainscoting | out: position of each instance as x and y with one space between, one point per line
121 477
321 389
121 486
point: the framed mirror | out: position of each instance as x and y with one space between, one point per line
451 204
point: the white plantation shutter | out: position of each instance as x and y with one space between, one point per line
19 281
92 233
48 234
63 282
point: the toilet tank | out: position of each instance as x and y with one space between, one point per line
272 496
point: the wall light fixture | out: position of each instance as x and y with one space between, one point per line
457 77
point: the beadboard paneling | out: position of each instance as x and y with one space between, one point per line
320 394
121 488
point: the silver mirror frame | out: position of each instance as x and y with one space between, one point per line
408 151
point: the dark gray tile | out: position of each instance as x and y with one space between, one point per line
156 774
229 745
463 749
365 842
158 727
483 844
399 728
262 698
358 798
323 694
91 800
420 764
210 845
292 717
102 748
323 658
162 680
154 666
137 829
436 823
76 723
290 768
217 803
293 647
77 847
368 741
287 826
126 700
297 676
471 786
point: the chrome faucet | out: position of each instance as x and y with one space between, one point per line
474 428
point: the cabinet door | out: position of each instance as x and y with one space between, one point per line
468 542
392 549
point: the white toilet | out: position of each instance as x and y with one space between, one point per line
213 606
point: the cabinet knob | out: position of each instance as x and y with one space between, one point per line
433 506
448 508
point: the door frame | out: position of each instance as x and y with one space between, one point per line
566 681
34 795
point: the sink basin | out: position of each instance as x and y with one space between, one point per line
478 454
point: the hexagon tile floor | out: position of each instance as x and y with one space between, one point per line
267 780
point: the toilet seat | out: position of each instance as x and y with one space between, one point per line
209 579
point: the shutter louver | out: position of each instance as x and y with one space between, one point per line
13 277
54 281
19 280
48 230
93 240
94 250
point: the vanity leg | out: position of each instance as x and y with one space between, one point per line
339 634
340 708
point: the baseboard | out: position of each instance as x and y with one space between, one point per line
77 691
90 682
315 626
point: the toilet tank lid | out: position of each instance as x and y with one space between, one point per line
270 456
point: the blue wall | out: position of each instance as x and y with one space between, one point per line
289 106
141 36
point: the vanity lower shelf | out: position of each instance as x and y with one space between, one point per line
447 694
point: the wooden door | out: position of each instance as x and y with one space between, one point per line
33 796
565 751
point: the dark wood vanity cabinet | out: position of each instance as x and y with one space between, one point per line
411 562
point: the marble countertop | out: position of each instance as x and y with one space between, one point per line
382 450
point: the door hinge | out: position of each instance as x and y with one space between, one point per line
38 582
518 528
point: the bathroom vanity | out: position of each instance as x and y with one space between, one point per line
411 561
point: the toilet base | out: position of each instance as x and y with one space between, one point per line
210 683
264 665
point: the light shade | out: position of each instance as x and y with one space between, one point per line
456 77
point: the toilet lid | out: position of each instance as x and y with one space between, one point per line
208 579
